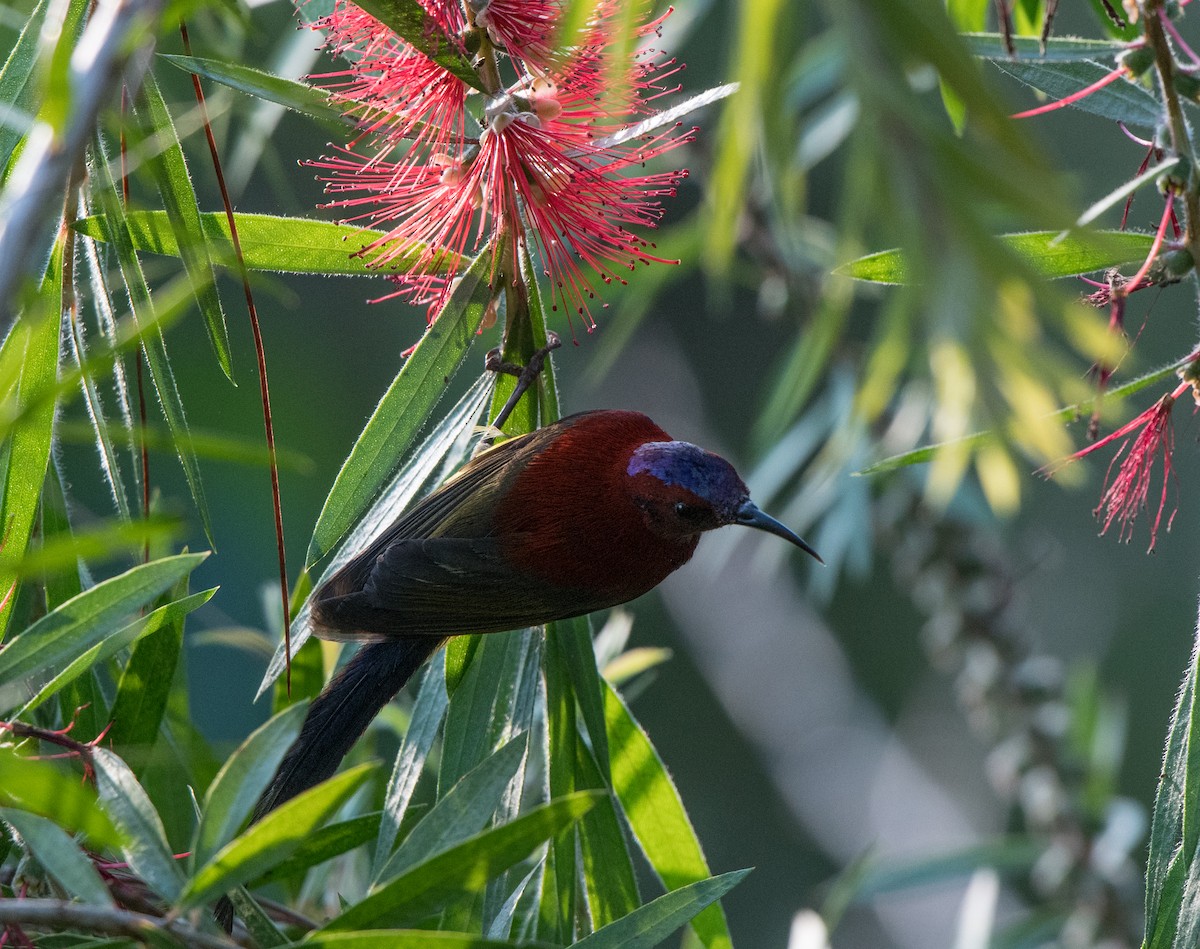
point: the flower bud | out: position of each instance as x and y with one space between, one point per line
1137 59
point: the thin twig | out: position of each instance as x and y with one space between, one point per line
259 352
63 915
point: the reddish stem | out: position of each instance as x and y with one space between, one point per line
259 352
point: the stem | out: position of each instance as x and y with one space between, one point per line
1156 38
260 354
62 915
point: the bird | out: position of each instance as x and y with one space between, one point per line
586 513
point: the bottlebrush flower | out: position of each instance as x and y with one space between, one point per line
551 167
1127 490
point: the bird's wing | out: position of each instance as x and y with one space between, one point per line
443 586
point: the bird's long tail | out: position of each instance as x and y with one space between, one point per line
336 720
341 713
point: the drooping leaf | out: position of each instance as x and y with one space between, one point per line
42 787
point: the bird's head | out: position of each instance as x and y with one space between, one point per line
684 490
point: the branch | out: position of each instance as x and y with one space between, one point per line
63 915
116 34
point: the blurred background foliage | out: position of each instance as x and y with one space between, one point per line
976 680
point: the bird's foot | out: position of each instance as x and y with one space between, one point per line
526 375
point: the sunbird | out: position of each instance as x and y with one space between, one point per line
586 513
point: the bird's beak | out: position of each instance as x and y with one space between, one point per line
749 515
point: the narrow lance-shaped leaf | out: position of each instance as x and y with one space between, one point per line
462 870
46 788
35 334
1051 252
130 809
1120 101
657 816
405 407
273 839
153 344
166 162
289 93
54 849
269 242
647 926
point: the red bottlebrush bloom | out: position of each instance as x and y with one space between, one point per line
551 168
1127 490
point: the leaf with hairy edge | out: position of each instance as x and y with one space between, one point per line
273 839
36 335
462 870
54 849
269 242
297 96
65 633
1120 101
164 157
427 714
1051 252
126 803
1171 875
656 815
441 452
990 46
649 925
410 21
153 345
18 76
41 787
404 407
109 646
241 780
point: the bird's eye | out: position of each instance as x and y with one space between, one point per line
690 513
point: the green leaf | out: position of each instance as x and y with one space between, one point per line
427 714
443 449
42 787
67 632
265 933
656 814
1172 881
462 811
153 345
54 849
289 93
129 807
649 925
1120 101
574 639
35 338
268 242
404 408
325 844
990 46
172 613
164 157
406 939
608 874
273 839
1117 195
463 870
1053 253
409 20
233 792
